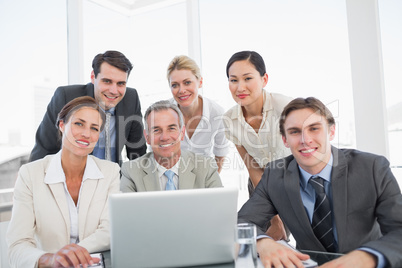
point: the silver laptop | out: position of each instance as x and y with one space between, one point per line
173 228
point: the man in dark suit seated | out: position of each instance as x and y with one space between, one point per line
121 104
167 167
332 200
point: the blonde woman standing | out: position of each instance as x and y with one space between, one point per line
202 117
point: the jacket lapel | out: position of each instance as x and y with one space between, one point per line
292 187
339 195
61 200
186 174
151 180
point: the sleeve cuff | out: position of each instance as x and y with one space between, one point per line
381 261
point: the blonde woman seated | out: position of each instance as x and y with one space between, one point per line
60 211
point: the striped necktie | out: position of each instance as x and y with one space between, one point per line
108 155
322 219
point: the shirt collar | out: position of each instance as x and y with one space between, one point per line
161 169
55 172
325 173
267 105
111 110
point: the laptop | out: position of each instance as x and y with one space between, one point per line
173 228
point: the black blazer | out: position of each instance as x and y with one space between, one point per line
129 127
367 204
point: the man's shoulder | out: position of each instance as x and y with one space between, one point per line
352 156
281 164
139 163
76 90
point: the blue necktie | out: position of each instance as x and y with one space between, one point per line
170 184
322 220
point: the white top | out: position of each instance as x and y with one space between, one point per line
209 137
163 178
266 145
55 174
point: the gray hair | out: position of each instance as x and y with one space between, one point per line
163 105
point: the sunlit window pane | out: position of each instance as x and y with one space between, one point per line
304 45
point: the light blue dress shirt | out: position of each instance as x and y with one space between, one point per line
308 197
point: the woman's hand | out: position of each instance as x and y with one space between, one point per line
71 255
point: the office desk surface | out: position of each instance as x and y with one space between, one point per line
319 257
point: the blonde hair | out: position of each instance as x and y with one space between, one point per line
183 62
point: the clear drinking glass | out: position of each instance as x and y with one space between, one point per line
246 247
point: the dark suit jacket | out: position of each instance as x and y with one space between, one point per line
367 204
129 127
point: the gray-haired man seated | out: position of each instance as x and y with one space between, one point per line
167 167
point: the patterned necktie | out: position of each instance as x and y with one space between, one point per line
322 219
170 184
108 155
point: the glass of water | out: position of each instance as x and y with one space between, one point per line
246 247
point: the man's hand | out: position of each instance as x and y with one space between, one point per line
277 229
354 259
273 254
71 255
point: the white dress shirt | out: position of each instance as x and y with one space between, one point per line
208 138
162 177
55 174
266 145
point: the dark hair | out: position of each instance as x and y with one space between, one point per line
253 57
162 105
74 105
300 103
114 58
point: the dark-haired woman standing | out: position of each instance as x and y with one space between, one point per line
253 124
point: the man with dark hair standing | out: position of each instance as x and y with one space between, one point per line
332 200
122 106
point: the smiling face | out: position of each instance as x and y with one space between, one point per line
81 131
109 85
184 85
164 135
308 136
246 83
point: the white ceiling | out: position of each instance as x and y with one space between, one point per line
132 7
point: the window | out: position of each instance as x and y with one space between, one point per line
149 40
391 40
33 51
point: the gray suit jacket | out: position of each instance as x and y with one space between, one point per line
129 128
195 171
367 204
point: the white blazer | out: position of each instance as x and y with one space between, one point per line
40 221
